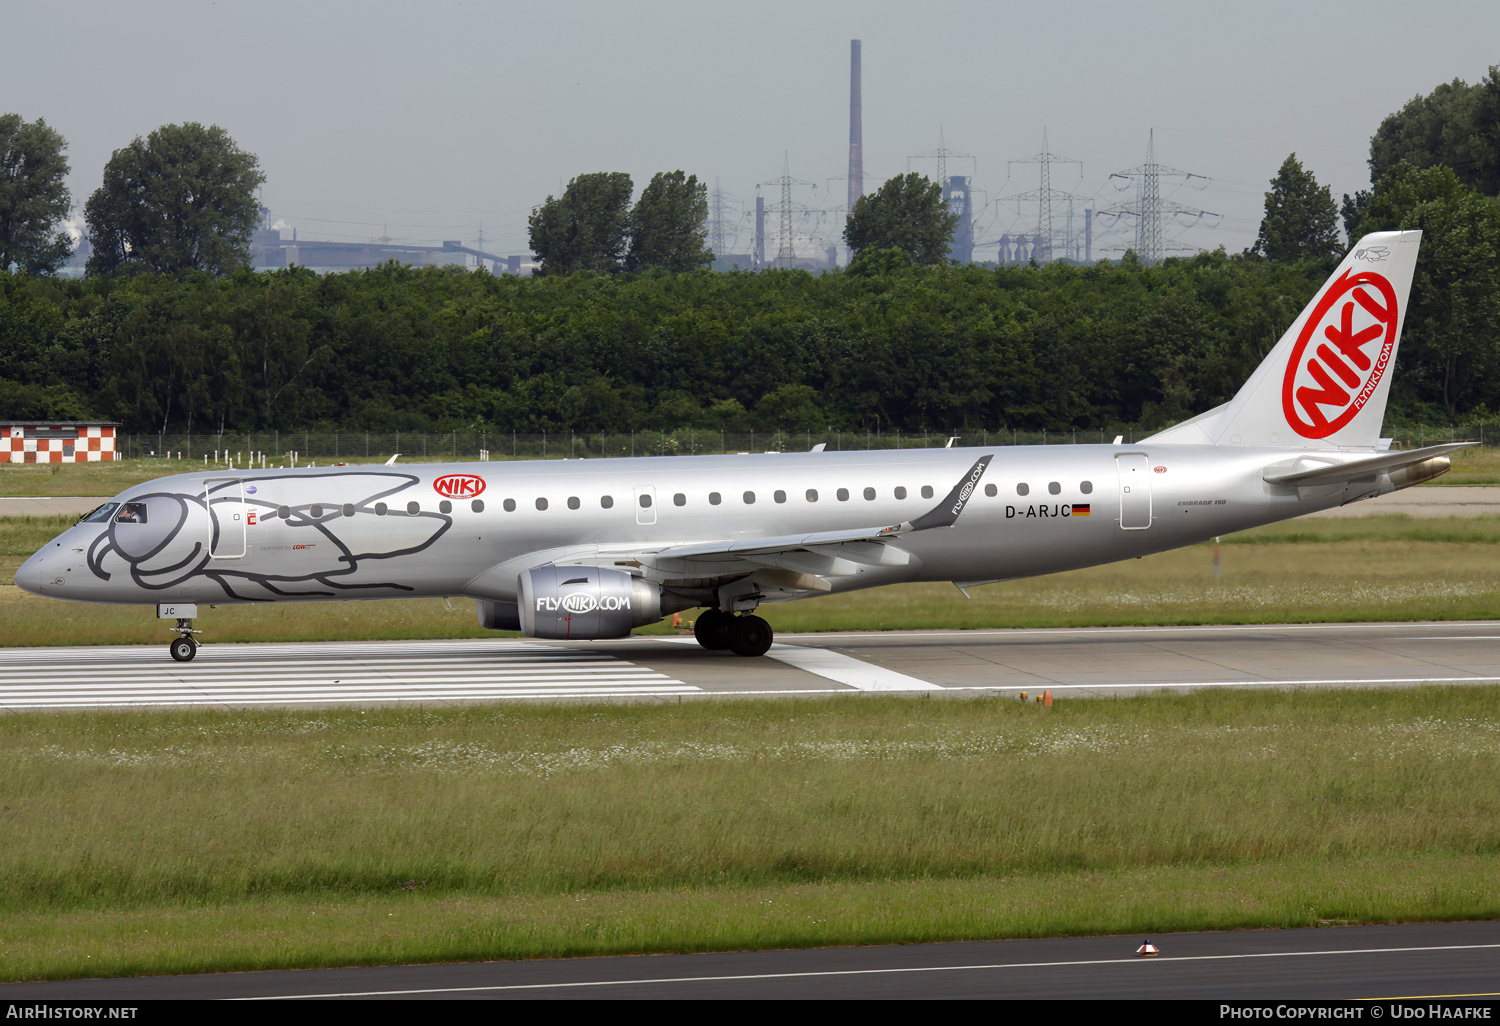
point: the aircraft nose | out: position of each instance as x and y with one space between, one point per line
32 575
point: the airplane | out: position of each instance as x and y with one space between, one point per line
591 549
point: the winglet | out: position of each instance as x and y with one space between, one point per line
945 513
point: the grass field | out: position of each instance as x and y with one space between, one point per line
199 841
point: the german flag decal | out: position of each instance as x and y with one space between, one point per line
1080 509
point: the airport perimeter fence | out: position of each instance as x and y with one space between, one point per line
277 448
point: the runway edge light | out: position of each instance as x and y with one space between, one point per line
1146 950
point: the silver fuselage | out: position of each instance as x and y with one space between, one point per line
338 533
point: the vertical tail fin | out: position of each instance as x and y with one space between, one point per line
1324 385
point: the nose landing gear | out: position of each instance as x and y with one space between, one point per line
185 647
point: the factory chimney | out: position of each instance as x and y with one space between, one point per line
856 132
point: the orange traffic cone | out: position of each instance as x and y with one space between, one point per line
1146 950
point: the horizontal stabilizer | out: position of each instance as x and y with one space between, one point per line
1299 474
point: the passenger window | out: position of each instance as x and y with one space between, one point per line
927 491
843 494
900 491
679 499
380 509
477 505
1086 487
991 490
812 495
510 505
412 509
573 502
869 495
541 504
285 512
445 506
749 498
348 509
317 512
645 501
607 501
780 495
714 498
1023 489
1054 487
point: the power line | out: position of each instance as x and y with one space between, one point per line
1149 208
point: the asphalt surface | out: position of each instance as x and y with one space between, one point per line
1069 663
1442 960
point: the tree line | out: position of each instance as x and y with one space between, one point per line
623 329
898 347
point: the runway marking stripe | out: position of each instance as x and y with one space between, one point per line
324 674
326 701
278 687
181 677
845 669
1159 960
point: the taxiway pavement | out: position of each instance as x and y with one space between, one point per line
1455 961
1073 662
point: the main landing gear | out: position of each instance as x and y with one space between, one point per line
185 647
745 635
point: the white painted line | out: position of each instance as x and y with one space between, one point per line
1258 682
1011 632
1160 960
847 670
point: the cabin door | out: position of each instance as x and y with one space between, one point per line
225 499
1135 490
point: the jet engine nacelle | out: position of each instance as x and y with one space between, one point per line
585 603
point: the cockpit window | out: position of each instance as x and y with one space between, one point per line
102 514
131 513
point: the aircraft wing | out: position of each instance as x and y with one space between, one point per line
799 562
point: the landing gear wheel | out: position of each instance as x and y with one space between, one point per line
183 650
711 629
749 636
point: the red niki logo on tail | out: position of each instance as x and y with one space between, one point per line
1327 385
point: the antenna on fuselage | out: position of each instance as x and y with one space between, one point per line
392 459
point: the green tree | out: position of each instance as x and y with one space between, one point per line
586 229
1456 125
182 199
1352 212
668 226
791 407
33 196
1301 221
906 213
1450 348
